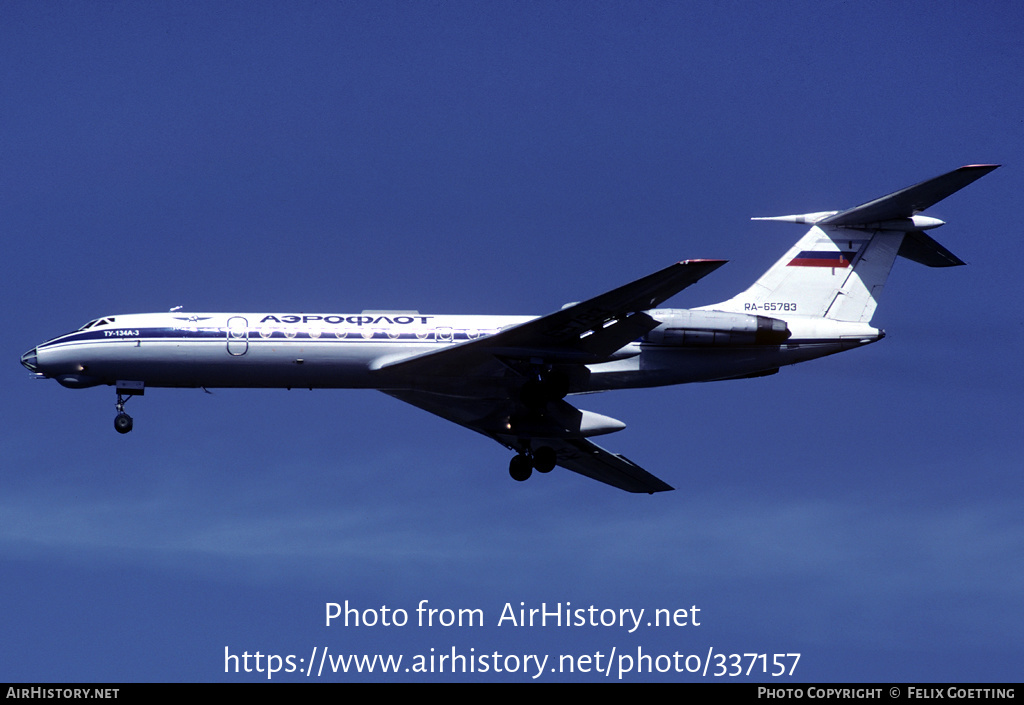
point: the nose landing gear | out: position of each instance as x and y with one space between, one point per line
126 390
122 422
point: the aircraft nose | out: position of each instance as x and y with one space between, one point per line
29 360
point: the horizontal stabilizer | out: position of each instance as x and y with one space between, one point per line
923 248
838 269
909 201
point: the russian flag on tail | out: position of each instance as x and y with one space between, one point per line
833 259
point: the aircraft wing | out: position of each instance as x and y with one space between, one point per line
477 384
492 418
581 333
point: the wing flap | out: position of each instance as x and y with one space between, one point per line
591 460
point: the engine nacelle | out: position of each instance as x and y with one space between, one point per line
684 327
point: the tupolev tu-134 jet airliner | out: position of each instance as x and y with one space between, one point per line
508 377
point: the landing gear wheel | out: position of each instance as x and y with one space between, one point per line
122 423
520 468
544 459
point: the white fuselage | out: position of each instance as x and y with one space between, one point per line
347 350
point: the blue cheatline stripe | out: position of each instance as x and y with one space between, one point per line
256 335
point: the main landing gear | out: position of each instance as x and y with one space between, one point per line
543 386
542 459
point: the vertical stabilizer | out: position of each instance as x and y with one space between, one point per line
839 268
828 273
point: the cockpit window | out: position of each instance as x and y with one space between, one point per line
97 322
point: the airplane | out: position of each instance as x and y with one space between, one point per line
507 377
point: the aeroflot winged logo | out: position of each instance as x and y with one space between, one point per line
510 378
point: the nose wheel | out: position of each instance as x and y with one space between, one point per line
125 390
123 423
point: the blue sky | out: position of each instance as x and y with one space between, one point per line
863 510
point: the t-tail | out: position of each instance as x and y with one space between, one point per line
838 269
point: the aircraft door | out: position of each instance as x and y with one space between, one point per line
237 336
